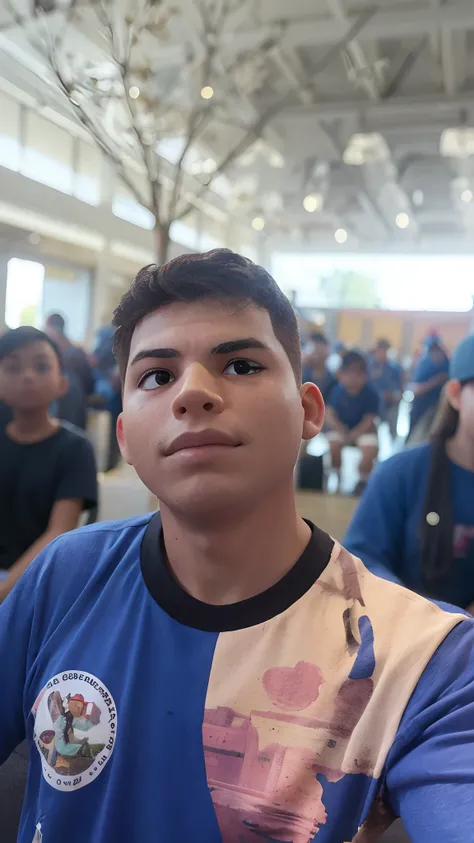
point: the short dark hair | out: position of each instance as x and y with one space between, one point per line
318 336
219 274
16 338
383 344
56 321
353 358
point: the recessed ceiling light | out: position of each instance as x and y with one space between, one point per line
340 235
467 195
312 202
402 220
207 92
134 92
258 223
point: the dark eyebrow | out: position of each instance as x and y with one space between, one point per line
157 353
237 345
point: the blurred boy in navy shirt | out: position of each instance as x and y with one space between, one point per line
352 409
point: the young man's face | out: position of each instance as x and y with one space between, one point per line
30 377
381 354
207 422
353 378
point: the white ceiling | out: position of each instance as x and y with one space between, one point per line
401 68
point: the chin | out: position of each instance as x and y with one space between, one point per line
205 498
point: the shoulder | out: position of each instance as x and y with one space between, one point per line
74 559
405 462
73 440
370 392
337 391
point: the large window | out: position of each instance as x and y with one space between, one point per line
25 283
10 149
48 154
391 282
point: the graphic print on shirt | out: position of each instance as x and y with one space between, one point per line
75 729
266 764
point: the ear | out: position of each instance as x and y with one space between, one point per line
313 406
453 393
121 439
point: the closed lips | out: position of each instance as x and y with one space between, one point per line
199 440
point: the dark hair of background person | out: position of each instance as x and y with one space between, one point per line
437 539
17 338
353 358
220 275
57 321
318 336
383 344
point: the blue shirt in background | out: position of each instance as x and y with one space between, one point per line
385 377
351 409
325 384
426 369
385 528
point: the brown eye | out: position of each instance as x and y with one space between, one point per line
156 378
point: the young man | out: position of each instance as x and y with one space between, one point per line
315 364
351 413
47 472
385 376
247 678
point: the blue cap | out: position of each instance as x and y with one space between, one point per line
462 363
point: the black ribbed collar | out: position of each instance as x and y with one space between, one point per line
255 610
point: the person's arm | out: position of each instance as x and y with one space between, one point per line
364 426
64 517
430 768
376 532
432 383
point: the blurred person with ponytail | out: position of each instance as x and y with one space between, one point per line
415 522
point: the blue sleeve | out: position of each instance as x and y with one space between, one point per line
429 773
16 635
377 528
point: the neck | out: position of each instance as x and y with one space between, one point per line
32 425
460 449
229 561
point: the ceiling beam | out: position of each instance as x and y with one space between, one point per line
448 62
356 53
396 107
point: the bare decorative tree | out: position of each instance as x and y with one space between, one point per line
143 75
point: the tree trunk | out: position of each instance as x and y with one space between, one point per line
161 235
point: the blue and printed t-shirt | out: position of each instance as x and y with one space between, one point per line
322 705
351 409
385 529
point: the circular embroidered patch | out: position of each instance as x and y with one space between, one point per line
75 729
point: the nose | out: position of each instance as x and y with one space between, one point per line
198 395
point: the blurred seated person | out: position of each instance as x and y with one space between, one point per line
47 472
72 406
415 522
351 413
315 368
429 376
385 376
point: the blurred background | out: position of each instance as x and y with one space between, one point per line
331 141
